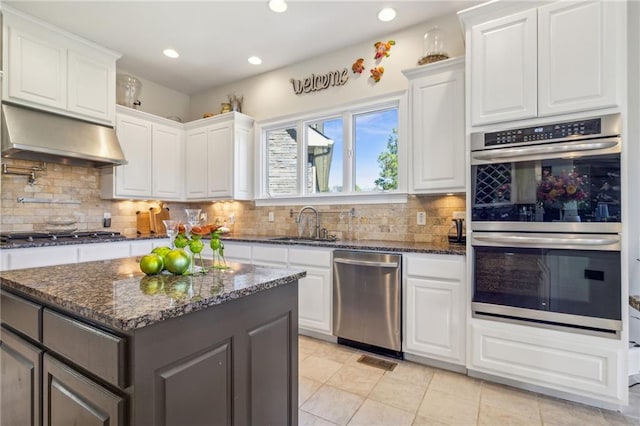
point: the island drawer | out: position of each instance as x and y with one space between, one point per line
21 315
101 353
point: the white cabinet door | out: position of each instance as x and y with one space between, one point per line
581 365
504 69
39 256
236 252
167 175
134 178
437 127
140 248
315 291
435 307
269 255
103 251
36 69
220 160
196 164
314 300
577 56
91 86
242 182
49 69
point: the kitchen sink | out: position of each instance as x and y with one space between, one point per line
304 239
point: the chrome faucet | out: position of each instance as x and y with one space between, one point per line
313 209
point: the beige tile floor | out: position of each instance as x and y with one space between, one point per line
334 389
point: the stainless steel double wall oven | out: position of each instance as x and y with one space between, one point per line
546 223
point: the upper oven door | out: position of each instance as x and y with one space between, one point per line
567 186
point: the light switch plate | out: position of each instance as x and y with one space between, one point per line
421 218
271 217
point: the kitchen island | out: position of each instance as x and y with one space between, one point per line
115 346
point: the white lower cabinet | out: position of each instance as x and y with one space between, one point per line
103 251
579 365
34 257
315 290
435 307
236 252
269 255
38 256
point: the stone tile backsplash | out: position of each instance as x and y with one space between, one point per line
386 222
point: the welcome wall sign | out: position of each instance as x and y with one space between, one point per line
314 82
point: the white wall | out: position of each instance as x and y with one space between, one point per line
160 100
271 95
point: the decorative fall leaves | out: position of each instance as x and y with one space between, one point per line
382 51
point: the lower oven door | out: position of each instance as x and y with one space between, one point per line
552 280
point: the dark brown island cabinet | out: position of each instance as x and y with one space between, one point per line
118 348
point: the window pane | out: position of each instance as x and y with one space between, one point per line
282 158
324 156
376 150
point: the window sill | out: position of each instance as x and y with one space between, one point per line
335 199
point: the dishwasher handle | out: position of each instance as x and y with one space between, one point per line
367 263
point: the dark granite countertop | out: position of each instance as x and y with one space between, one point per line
634 301
117 294
373 245
388 246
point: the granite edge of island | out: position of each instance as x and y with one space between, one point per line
131 324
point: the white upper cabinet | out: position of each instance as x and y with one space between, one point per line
50 69
503 69
562 57
437 139
153 148
219 158
577 57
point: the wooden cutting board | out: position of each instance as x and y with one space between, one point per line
157 216
143 222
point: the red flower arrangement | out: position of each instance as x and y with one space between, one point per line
563 188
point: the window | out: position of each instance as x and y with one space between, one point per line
282 155
355 151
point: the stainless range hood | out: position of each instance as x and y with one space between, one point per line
30 134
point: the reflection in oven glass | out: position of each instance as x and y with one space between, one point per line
578 282
583 189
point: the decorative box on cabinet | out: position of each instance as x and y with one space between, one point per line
435 307
525 62
153 147
437 141
219 158
80 76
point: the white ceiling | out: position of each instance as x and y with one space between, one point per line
215 38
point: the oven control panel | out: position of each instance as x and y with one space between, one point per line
544 133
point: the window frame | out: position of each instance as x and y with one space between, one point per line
346 113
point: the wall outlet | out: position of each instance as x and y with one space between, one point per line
459 215
421 218
271 217
232 218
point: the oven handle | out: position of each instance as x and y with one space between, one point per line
545 150
604 242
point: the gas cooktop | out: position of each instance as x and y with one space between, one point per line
62 236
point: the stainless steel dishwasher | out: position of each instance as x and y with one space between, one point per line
367 300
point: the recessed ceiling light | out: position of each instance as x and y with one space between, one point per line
278 6
387 14
254 60
171 53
